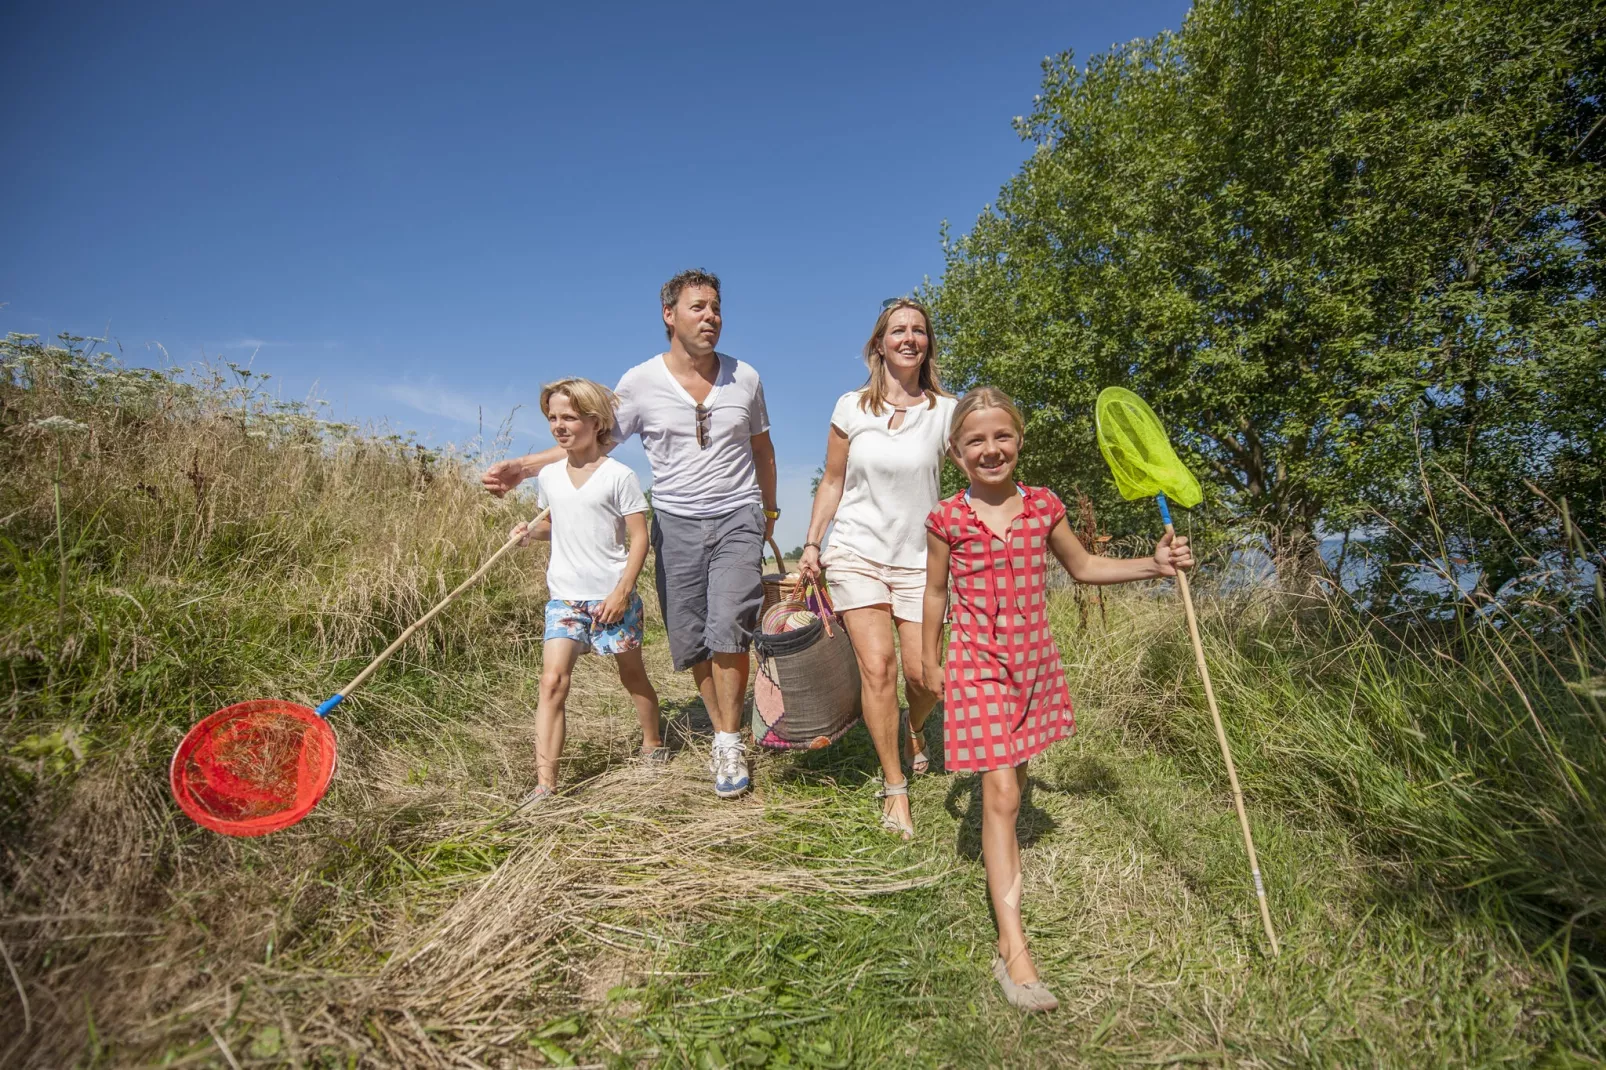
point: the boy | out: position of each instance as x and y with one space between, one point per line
595 503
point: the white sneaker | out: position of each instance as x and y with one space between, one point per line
729 766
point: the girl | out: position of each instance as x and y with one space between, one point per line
591 577
1004 692
882 464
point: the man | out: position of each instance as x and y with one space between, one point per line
702 420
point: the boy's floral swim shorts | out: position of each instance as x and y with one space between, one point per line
577 621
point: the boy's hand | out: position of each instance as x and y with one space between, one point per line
613 608
522 531
1171 553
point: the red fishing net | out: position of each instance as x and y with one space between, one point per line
254 767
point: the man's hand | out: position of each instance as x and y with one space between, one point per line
769 528
612 610
503 476
1172 553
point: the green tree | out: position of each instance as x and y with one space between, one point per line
1327 240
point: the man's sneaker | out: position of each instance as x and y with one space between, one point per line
730 770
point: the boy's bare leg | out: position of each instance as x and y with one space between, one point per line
557 668
633 675
1000 853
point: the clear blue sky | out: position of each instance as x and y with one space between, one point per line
419 211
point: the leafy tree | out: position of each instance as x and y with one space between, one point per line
1349 251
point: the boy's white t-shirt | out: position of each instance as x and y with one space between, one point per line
589 550
689 480
892 479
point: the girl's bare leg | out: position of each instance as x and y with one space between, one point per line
870 628
1000 852
633 674
920 693
557 668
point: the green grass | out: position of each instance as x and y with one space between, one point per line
1426 814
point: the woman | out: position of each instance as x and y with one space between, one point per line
882 462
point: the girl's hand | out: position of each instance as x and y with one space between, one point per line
1171 553
808 565
613 608
522 531
932 668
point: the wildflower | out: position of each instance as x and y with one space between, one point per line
60 425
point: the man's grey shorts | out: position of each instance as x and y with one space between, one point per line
709 583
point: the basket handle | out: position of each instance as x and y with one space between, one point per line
780 562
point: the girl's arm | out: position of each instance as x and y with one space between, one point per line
936 606
1170 554
613 607
826 498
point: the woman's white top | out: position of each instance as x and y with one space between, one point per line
892 479
589 547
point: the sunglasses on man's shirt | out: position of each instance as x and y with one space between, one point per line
704 437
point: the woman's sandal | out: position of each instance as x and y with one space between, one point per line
1032 997
919 764
890 823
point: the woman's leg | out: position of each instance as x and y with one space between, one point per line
921 694
870 628
1000 853
633 674
557 667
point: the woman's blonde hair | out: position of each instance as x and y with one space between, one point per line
874 398
983 397
589 399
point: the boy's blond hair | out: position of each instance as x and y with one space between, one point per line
589 399
983 397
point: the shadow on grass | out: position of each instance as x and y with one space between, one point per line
964 805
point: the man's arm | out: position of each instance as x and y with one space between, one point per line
503 476
764 463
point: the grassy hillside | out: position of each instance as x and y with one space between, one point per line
1428 813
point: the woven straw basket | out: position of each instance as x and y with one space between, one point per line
782 585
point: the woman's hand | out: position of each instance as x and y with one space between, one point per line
1171 553
521 531
612 610
808 565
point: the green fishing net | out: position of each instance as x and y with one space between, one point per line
1138 452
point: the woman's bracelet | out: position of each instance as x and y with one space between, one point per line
813 544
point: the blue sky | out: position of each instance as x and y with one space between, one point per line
420 212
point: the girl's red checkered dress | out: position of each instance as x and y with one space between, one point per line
1004 689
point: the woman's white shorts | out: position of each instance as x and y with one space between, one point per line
856 582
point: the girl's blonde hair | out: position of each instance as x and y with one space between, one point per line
983 397
874 398
589 399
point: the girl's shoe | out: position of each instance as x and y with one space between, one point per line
656 758
1031 997
920 765
890 823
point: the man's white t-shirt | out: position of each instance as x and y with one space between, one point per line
589 549
892 479
689 480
